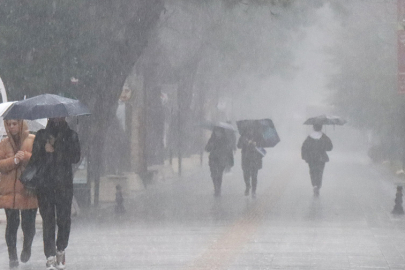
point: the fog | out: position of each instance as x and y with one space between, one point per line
170 178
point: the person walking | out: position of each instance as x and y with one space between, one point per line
251 160
313 151
56 147
15 152
221 156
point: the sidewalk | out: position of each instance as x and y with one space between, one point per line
132 184
180 225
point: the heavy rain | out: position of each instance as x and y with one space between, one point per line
202 134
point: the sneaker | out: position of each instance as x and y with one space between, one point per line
51 263
25 255
253 195
13 264
60 259
247 190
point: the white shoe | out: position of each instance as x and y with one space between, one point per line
60 260
51 263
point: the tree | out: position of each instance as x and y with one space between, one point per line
84 49
365 85
209 48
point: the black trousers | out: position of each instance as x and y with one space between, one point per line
27 225
250 177
316 173
216 175
57 203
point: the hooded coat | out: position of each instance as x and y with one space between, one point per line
221 151
58 172
12 191
315 146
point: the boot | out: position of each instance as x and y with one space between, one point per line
316 191
26 252
25 255
12 255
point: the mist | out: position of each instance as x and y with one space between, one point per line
224 134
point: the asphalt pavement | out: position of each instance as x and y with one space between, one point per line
180 225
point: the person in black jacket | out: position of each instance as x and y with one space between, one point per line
313 151
221 156
57 147
251 160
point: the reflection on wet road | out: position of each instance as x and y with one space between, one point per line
180 225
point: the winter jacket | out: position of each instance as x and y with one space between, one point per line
12 191
58 172
314 148
221 152
251 158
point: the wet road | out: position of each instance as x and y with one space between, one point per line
180 225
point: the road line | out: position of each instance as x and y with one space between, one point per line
228 246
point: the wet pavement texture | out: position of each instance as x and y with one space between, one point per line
180 225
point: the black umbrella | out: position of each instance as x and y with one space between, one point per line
325 120
263 128
45 106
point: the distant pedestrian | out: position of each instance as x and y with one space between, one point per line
119 200
221 156
251 160
57 147
313 151
15 152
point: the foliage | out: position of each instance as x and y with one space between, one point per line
365 87
80 48
213 50
47 44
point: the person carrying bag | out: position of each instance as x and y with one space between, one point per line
15 153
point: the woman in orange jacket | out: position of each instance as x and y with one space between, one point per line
15 152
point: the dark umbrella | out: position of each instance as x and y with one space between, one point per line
325 120
264 128
45 106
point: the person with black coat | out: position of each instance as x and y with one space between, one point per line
56 147
221 156
251 160
313 151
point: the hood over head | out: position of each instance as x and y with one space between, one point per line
22 134
55 127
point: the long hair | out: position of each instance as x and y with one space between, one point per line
22 133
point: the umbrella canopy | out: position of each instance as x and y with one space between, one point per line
45 106
4 106
210 125
264 128
33 126
325 120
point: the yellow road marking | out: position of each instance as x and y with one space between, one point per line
228 246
